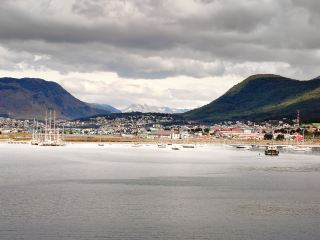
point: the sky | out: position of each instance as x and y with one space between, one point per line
177 53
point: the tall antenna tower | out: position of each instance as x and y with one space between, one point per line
298 118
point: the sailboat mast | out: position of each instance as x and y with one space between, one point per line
33 131
54 125
46 127
63 132
50 126
37 131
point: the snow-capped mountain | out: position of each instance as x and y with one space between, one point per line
144 108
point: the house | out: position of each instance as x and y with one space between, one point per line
165 134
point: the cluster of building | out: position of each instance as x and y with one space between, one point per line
159 126
9 125
155 126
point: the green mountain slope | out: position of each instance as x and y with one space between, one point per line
29 98
263 97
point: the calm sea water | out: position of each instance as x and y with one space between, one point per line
121 192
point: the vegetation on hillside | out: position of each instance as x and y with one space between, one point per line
263 97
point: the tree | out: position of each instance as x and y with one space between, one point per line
207 130
268 136
280 137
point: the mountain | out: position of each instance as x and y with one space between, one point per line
29 98
105 107
144 108
263 97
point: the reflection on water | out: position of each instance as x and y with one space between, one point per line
120 192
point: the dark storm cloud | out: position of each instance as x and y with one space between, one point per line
158 39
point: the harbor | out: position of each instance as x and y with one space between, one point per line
81 191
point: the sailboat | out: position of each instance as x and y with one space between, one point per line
100 144
35 140
188 145
50 135
161 144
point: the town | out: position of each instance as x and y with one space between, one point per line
154 126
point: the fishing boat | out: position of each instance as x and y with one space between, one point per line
271 151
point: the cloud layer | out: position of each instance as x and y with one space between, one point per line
202 41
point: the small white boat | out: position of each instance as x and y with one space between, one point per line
244 147
188 146
288 147
136 145
175 147
227 146
162 145
301 149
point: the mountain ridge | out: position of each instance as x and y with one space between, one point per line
263 97
28 98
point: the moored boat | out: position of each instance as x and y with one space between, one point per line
271 151
288 147
301 149
188 146
245 147
137 145
162 145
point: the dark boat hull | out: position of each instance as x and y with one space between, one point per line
271 152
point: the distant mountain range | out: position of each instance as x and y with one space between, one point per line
144 108
105 107
263 97
257 98
29 98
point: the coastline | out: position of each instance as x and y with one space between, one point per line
25 138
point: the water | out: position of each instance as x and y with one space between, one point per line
121 192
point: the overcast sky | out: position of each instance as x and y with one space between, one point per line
178 53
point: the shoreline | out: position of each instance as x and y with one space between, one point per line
137 140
